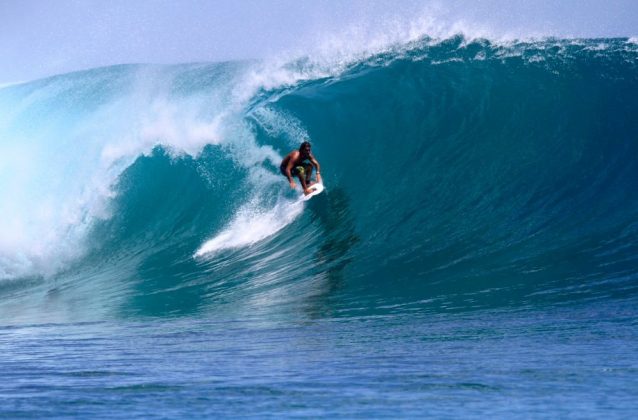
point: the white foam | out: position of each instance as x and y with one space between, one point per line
279 124
601 46
57 172
59 162
252 224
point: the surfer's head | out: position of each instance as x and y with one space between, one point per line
305 147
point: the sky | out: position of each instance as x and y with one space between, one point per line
39 38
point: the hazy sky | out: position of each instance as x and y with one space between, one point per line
44 37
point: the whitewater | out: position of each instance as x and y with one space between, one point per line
475 250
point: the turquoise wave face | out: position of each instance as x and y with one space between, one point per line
458 174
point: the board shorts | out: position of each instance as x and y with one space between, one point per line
295 171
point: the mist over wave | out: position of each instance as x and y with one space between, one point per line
460 173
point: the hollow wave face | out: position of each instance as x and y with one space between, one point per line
459 174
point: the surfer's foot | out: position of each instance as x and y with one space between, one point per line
308 191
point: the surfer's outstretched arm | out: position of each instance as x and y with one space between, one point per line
315 163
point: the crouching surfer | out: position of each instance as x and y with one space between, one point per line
300 163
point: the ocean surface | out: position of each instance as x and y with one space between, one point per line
475 253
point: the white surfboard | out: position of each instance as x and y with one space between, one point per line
316 189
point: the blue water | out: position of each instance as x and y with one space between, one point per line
475 252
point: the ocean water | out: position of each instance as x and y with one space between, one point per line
475 252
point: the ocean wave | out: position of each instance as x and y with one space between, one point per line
460 171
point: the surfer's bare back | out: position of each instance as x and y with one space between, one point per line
300 163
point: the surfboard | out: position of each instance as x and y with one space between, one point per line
316 189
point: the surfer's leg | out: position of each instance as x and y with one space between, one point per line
308 170
301 174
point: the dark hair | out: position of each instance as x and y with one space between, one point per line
304 144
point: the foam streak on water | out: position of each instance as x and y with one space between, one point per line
252 224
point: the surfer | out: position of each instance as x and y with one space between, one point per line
299 163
